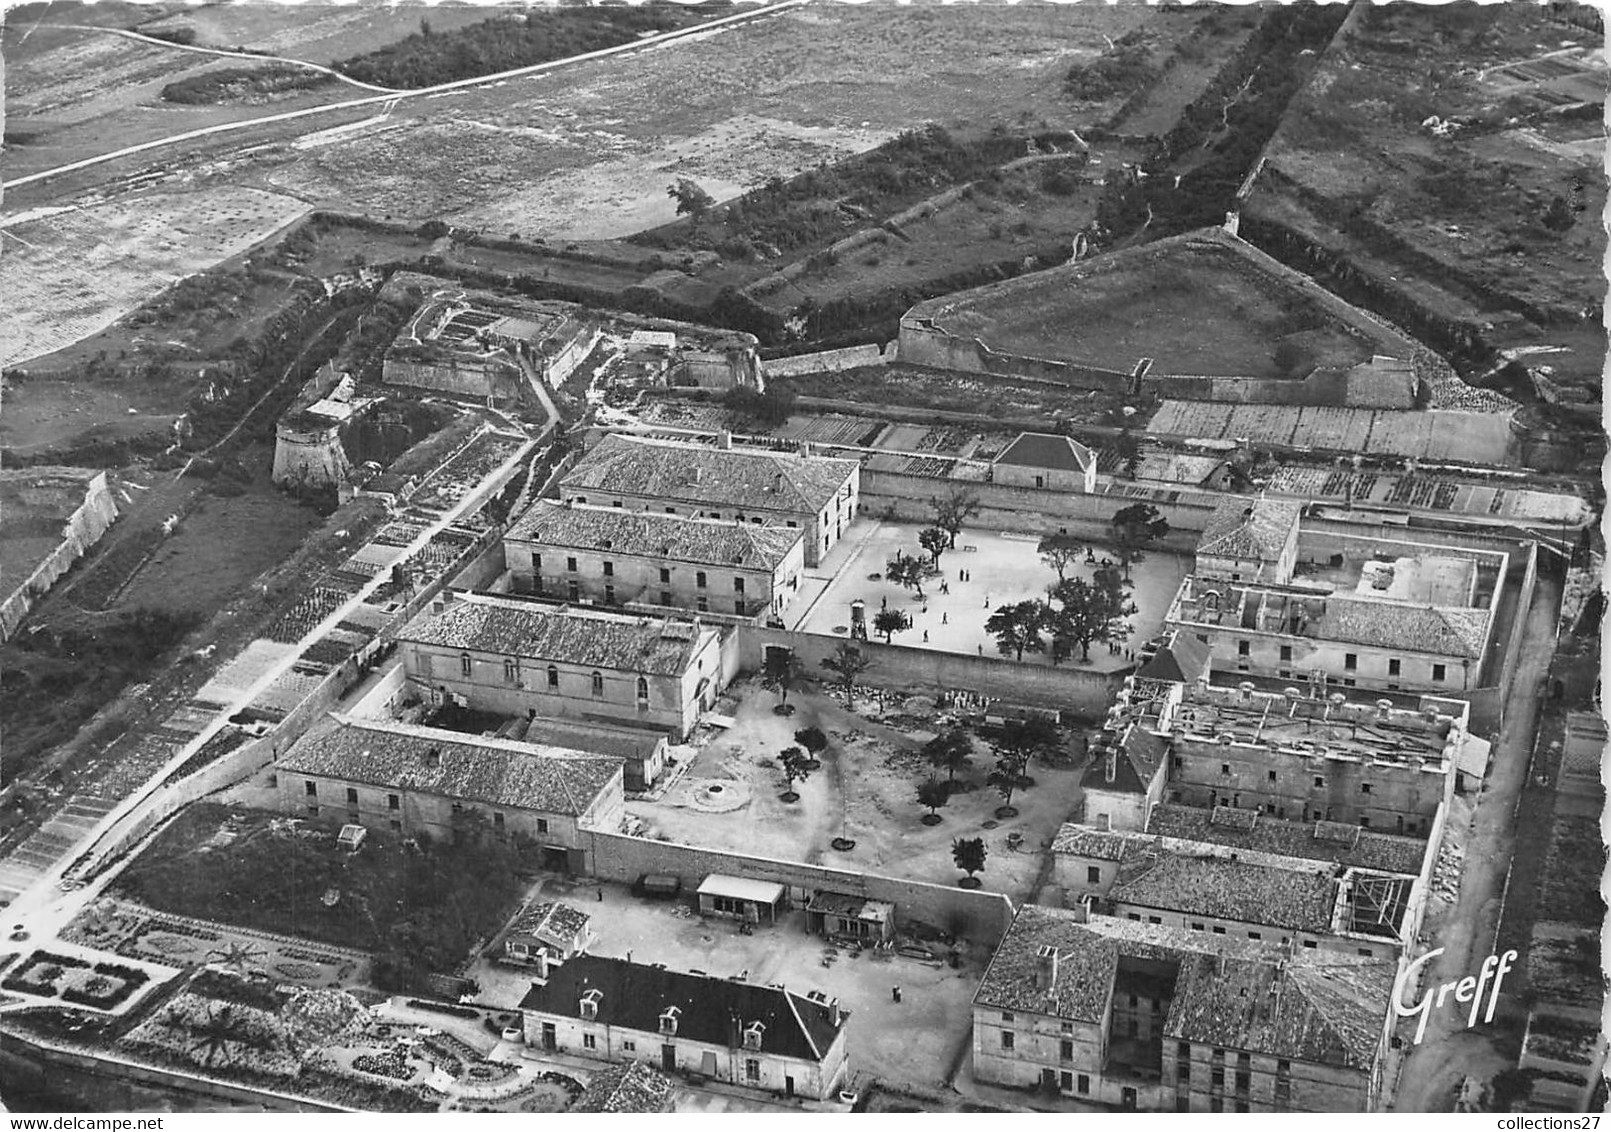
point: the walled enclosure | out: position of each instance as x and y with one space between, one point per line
81 530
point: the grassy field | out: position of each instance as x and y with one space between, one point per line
911 387
1465 218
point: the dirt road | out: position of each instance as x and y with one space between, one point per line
1434 1069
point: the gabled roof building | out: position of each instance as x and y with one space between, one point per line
730 1030
1048 461
1150 1017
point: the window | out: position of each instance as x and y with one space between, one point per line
536 563
352 796
598 685
589 1042
1319 781
703 604
497 820
1196 927
752 1070
1270 775
1218 930
553 676
466 665
570 564
1006 1039
1066 1081
630 1046
1244 648
643 689
583 499
665 574
1439 671
393 802
1093 874
1154 919
1365 952
397 826
1137 917
311 789
1085 1083
1183 1049
609 569
313 811
1225 768
1309 943
609 595
665 597
738 605
1364 822
699 579
1184 1072
511 670
1179 762
671 510
1286 652
1392 666
573 591
1065 1050
1255 935
542 825
1351 661
1243 1082
1006 1017
1364 788
1040 481
738 585
1216 1076
1067 1027
791 523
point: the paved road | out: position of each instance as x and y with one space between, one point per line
388 99
1434 1069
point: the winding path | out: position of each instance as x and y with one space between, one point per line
393 98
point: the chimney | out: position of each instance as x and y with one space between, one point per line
696 474
834 1016
433 758
724 439
1382 708
777 483
1046 968
805 448
1082 915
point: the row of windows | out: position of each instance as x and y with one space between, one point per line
738 516
1317 814
1270 776
1440 672
512 675
701 579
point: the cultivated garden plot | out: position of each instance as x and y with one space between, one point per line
69 275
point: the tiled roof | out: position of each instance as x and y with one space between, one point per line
1097 844
659 647
635 995
1230 993
1231 890
1129 764
631 1086
555 923
678 538
1384 851
1249 528
1398 625
1047 450
1183 660
594 738
696 473
489 771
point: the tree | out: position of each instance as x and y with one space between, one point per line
1059 552
1510 1087
1134 527
969 853
1017 627
1020 740
951 750
793 761
1086 612
692 201
814 742
909 572
847 662
952 512
782 674
932 793
889 622
936 541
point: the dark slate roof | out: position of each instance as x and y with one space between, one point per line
1182 660
1237 994
1369 850
594 738
1249 528
655 646
489 771
1128 765
631 1086
1047 450
746 478
1231 890
711 1010
679 538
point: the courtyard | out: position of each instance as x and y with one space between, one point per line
916 1040
728 796
1002 567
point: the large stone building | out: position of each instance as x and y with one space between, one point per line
478 346
1046 461
730 1030
411 780
1365 612
816 494
513 656
1150 1017
578 551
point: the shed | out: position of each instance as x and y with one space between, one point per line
351 836
838 916
757 901
658 886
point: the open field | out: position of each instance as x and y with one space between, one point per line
866 790
915 387
1460 221
1001 569
1476 438
71 274
318 33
